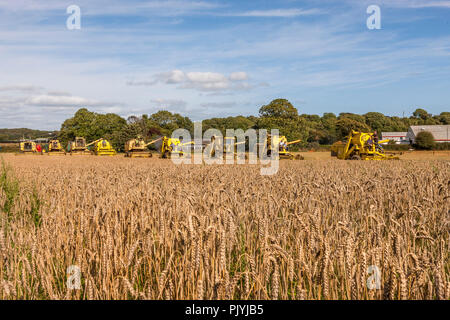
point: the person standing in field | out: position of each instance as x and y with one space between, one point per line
38 148
375 137
375 141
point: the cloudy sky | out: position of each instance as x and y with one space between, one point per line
218 58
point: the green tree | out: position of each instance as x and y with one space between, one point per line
222 124
315 128
279 108
329 126
378 121
169 122
353 116
143 126
345 125
444 118
399 124
93 126
421 114
425 140
80 125
280 114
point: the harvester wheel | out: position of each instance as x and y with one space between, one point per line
333 153
355 157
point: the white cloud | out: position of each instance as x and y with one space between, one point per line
202 81
169 103
7 102
238 76
47 111
207 86
175 76
51 100
59 93
21 88
65 100
206 77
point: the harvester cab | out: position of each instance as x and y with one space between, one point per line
283 147
78 147
102 147
28 147
360 146
55 148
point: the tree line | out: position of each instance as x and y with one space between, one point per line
313 130
7 135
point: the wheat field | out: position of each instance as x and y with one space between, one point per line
147 229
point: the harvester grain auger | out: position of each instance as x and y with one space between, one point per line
55 148
78 147
360 146
28 147
102 147
283 147
172 146
137 148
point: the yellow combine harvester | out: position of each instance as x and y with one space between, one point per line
102 147
137 148
78 147
55 148
360 146
283 147
171 147
228 147
28 147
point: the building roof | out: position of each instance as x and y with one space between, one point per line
440 133
394 134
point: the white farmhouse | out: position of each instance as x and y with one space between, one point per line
398 137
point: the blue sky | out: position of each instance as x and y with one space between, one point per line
220 58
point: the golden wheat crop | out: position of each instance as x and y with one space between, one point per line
147 229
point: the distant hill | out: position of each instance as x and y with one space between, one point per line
19 133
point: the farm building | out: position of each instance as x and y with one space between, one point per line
42 140
398 137
440 133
